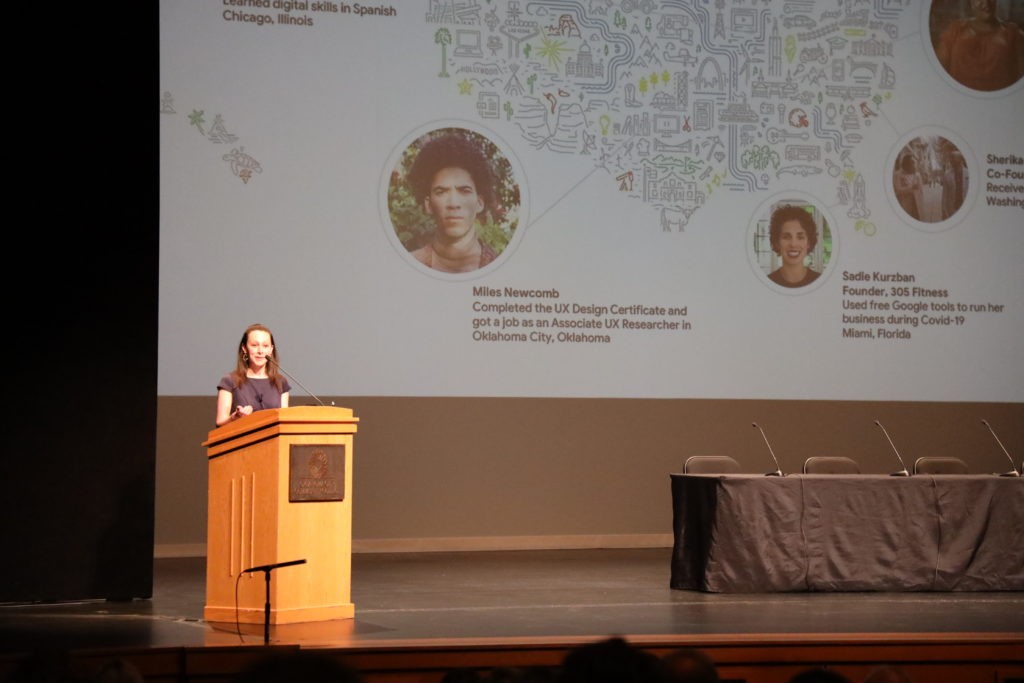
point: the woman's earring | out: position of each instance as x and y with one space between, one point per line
245 357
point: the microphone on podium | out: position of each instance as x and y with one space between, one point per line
289 375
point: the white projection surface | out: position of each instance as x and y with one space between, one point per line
641 148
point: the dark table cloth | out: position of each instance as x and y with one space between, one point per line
753 534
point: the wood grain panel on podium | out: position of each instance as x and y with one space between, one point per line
251 521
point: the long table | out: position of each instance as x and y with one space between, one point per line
754 534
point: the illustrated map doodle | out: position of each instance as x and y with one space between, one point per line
678 99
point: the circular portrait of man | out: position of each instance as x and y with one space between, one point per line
930 179
980 43
453 200
793 243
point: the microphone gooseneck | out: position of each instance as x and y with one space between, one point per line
778 468
289 376
1013 468
271 567
904 472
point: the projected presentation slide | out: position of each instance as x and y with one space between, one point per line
767 199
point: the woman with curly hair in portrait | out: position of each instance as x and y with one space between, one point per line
793 237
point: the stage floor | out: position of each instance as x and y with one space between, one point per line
509 595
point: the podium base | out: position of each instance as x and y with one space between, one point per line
251 615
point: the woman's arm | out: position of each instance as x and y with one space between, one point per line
284 400
239 411
224 414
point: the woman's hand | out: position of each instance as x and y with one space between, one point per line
224 412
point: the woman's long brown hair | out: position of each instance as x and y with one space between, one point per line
242 364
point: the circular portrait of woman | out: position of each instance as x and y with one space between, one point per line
979 43
793 243
930 179
453 200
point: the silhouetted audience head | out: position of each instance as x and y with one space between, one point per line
516 674
613 661
887 674
818 676
118 671
462 676
46 666
307 667
691 666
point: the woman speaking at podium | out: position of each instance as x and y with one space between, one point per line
255 383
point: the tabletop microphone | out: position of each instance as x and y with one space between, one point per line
1013 468
289 375
778 468
903 472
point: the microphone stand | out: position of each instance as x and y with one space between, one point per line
1013 468
266 569
903 472
778 468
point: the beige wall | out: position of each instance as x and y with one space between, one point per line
496 472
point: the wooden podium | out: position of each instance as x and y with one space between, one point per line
281 490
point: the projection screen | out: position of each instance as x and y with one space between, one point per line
620 241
